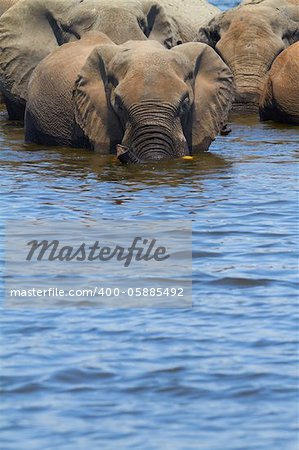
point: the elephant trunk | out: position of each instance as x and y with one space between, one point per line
154 134
147 145
249 82
249 59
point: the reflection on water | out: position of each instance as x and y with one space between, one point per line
219 376
81 163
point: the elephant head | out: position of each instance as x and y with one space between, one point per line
32 29
248 38
156 103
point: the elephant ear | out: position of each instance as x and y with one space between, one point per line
160 27
210 33
291 34
29 31
213 94
92 109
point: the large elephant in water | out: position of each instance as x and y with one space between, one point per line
157 103
249 38
32 29
280 98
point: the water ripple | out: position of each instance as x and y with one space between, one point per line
220 375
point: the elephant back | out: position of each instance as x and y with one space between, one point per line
28 33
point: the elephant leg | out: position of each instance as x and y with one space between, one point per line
15 110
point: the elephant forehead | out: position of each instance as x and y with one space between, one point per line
151 82
249 20
104 16
95 6
118 15
254 18
146 61
141 46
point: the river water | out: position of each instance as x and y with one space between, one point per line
220 375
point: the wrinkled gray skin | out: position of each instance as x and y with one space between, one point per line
32 29
4 6
50 23
249 38
156 103
187 16
280 97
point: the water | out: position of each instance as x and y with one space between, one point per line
225 4
222 375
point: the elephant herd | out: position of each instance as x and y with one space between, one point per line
146 79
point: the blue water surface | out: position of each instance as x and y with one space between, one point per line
222 375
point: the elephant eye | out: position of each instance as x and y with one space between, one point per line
118 103
112 80
184 106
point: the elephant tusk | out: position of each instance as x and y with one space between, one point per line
225 130
125 155
121 150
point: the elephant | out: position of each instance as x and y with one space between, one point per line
138 99
188 16
280 97
248 38
32 29
5 5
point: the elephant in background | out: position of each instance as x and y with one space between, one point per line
4 6
280 98
188 16
136 98
249 38
32 29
